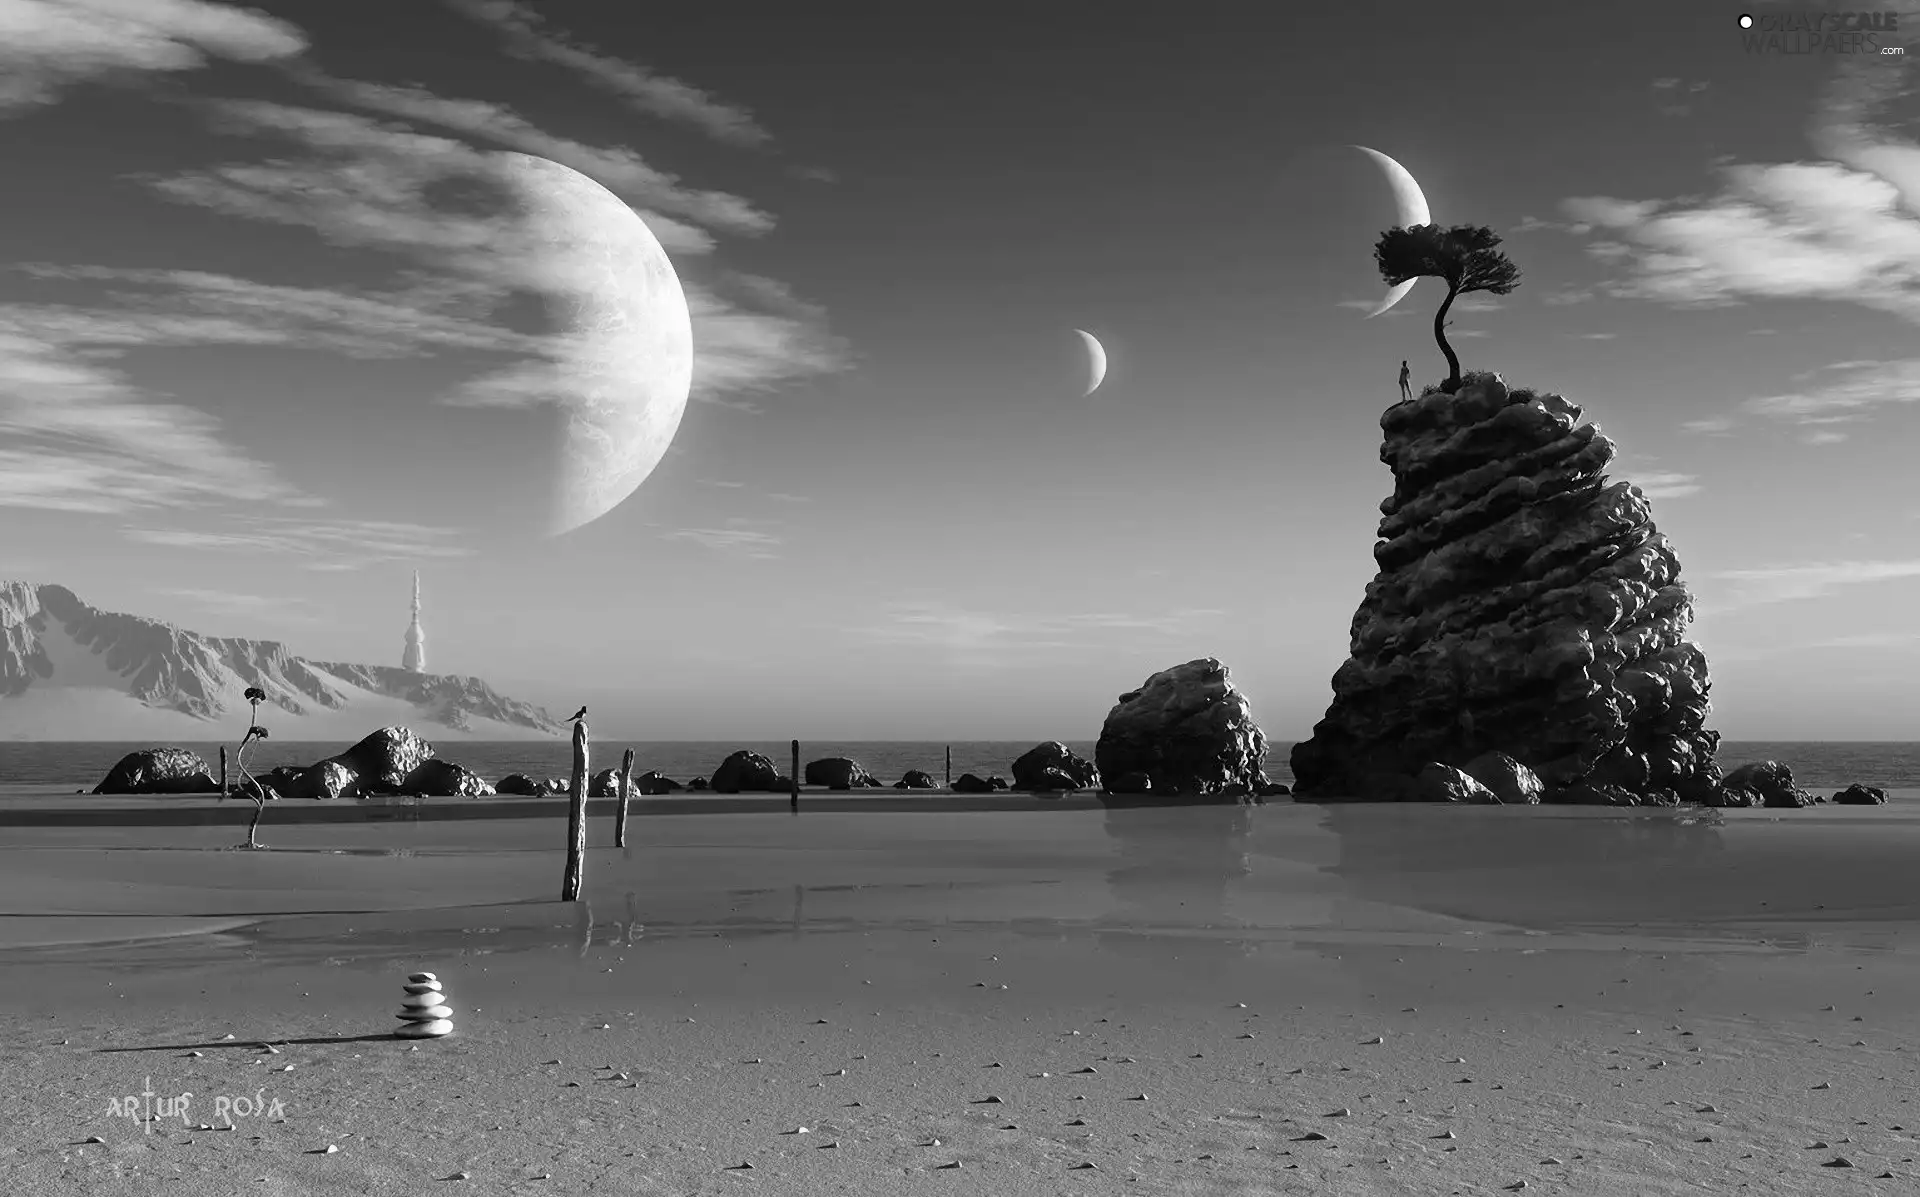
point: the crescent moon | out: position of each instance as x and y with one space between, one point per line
1096 361
1412 203
622 361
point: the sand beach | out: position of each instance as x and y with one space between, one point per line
1224 999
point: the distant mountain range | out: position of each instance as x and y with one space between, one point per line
69 671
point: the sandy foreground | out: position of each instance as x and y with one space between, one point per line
1213 1000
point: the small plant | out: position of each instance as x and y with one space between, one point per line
1464 257
250 786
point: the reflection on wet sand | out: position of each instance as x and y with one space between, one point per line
1172 873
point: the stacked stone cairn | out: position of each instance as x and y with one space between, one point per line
424 1013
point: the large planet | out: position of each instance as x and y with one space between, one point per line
619 360
1412 205
1096 360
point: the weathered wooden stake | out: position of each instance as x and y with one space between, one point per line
626 787
793 798
949 766
576 818
223 773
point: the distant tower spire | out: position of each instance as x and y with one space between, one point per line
414 659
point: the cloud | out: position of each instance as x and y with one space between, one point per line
720 483
783 497
739 536
79 437
1664 485
618 169
191 307
47 45
1787 583
324 545
644 89
221 602
1713 426
1594 336
975 638
375 186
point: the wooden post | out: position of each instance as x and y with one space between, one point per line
223 773
949 766
626 787
793 798
577 818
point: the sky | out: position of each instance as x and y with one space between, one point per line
242 293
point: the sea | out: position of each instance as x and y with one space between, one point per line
1817 765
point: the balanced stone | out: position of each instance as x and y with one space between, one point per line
422 987
423 979
425 1030
425 1013
416 1001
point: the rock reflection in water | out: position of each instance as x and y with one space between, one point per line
1172 876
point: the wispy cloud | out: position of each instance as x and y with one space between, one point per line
49 45
720 483
646 90
1712 426
737 536
1593 336
246 606
976 638
783 497
1787 583
372 185
1659 484
81 438
323 545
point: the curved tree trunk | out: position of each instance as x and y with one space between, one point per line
1440 334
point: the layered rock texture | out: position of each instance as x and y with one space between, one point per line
1525 605
1186 730
69 670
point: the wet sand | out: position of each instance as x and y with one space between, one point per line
1587 1001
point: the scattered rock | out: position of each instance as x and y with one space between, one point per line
916 779
1068 771
839 773
159 771
971 783
746 772
519 783
1771 781
381 761
1859 795
444 779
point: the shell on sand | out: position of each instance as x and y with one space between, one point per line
425 1030
421 987
426 1014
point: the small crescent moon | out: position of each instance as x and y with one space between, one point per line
1412 203
1096 361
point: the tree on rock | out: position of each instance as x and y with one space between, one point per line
1463 257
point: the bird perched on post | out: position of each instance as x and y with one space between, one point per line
577 716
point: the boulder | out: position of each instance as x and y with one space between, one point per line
1271 789
1133 782
1187 729
1524 604
1587 793
283 779
382 761
1444 783
916 780
838 773
606 784
998 782
1511 782
746 773
972 783
1081 772
1771 781
444 779
1051 780
328 779
159 771
1859 795
698 783
520 783
652 782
